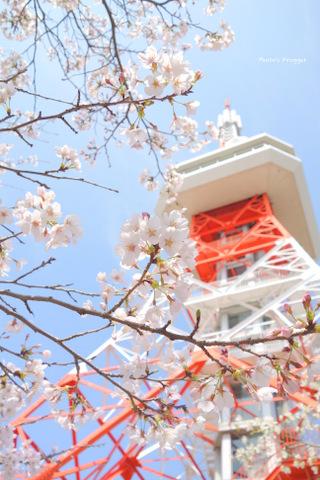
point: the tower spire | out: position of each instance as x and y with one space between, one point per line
229 125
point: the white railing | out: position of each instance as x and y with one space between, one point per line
252 331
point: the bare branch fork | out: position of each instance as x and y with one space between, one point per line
135 400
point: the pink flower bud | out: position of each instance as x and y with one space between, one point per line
198 74
286 349
306 301
145 215
224 352
285 332
287 309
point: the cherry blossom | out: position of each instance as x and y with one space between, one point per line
5 258
6 92
101 277
12 399
216 41
168 436
14 326
262 373
173 184
154 85
271 431
13 459
150 58
136 137
213 396
117 276
69 158
214 6
38 215
191 107
148 180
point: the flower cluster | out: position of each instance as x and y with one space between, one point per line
166 70
212 396
164 242
173 182
17 21
292 440
144 235
38 215
68 5
216 41
148 181
214 6
15 459
13 76
12 399
69 158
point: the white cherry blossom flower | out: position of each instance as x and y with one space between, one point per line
129 249
170 241
12 399
117 276
52 393
101 277
192 107
216 41
5 149
69 157
262 373
7 90
148 180
174 65
136 137
6 216
155 316
154 85
181 84
14 326
150 58
151 230
168 436
108 292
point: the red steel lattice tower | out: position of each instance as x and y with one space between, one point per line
251 217
228 234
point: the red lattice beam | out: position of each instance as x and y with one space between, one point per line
233 232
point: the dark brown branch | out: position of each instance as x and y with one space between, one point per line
310 329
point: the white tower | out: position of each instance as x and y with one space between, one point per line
253 222
229 126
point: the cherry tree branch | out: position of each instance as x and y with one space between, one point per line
164 330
